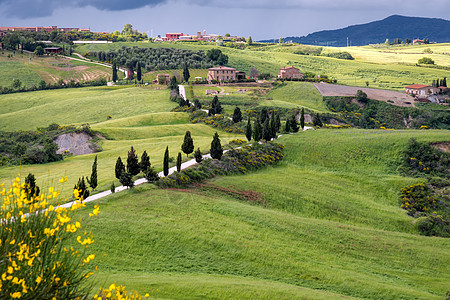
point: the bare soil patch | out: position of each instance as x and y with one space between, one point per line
75 143
442 146
394 98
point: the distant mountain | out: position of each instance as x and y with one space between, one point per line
436 30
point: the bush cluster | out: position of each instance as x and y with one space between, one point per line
61 84
234 161
155 58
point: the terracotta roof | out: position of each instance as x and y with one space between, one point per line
417 86
221 68
286 68
443 87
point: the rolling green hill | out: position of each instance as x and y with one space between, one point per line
331 228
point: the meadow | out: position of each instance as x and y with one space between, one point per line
331 227
381 69
327 223
31 69
140 117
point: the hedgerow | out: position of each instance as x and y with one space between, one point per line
235 161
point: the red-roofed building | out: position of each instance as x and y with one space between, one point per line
173 36
421 90
221 74
290 72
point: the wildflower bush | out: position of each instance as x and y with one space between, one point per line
234 161
36 259
417 198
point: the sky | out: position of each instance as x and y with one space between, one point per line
261 19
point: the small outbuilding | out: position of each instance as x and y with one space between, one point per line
50 50
419 90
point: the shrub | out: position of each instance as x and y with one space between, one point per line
434 225
38 261
426 61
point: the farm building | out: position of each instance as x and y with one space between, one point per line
290 72
221 74
162 78
419 90
173 36
53 50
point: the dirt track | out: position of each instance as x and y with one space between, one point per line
399 99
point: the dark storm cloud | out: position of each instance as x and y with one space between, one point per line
26 9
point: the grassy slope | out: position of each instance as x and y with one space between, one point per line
49 68
141 118
296 95
381 71
10 70
332 224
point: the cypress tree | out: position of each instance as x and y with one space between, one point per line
248 130
257 132
287 126
237 115
173 85
186 74
263 115
434 83
179 162
144 164
197 104
31 189
188 144
93 180
302 119
216 148
114 72
216 107
83 192
316 120
138 71
273 128
278 123
126 179
120 168
444 82
112 188
266 132
132 162
198 155
166 162
294 125
151 175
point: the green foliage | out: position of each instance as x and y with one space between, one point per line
293 123
126 179
30 188
186 74
198 155
82 188
216 150
138 71
93 178
266 130
216 107
434 225
144 164
317 122
188 144
132 162
237 115
302 118
39 51
216 56
173 84
248 130
426 61
339 55
256 131
361 96
114 72
417 198
112 188
423 159
120 168
166 162
179 159
234 161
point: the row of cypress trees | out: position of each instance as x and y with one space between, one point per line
134 167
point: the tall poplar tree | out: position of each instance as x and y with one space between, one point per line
138 71
114 72
179 162
257 131
186 74
302 119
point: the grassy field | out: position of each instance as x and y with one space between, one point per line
297 95
141 118
31 69
381 69
331 228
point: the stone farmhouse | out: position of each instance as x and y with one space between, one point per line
290 72
221 74
421 90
